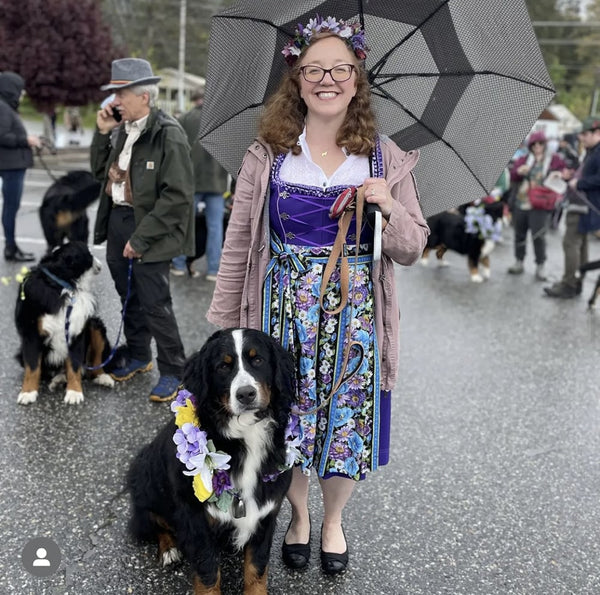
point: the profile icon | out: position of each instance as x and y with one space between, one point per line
41 556
41 559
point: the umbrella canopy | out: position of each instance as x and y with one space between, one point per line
461 80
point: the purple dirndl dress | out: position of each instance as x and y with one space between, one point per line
347 434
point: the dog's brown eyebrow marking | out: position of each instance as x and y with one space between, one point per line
252 352
228 359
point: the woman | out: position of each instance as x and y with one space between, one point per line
15 158
526 170
318 137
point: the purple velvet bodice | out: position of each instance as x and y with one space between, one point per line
300 214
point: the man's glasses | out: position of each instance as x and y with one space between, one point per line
315 74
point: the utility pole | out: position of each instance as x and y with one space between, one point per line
180 86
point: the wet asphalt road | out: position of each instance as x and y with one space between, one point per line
494 481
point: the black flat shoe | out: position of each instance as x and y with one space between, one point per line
334 563
17 255
295 555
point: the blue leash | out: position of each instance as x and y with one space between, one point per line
70 291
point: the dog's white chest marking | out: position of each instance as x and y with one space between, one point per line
258 439
53 325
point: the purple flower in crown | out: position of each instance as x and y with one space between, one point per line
352 33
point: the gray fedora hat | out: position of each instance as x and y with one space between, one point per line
128 72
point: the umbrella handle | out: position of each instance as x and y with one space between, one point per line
370 210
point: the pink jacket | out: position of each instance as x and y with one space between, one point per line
237 299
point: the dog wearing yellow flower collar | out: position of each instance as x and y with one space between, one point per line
216 475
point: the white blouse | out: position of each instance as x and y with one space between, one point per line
301 169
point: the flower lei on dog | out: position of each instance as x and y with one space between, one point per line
478 222
209 466
352 33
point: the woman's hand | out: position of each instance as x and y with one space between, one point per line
377 192
523 170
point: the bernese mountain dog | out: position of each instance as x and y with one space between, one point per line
449 231
236 397
63 214
55 301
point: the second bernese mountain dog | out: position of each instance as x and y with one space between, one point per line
55 301
235 402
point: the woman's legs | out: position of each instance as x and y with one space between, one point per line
336 493
299 531
12 190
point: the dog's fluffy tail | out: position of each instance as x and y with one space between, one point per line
82 199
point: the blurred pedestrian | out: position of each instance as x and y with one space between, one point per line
146 215
210 185
583 213
527 171
15 157
318 137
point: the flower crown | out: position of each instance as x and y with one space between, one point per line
352 33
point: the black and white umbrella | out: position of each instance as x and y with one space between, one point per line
461 80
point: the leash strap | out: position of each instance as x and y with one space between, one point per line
338 252
116 343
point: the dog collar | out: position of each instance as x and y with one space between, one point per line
66 286
210 467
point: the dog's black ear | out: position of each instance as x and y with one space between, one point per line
285 372
196 372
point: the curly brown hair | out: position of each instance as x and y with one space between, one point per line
282 120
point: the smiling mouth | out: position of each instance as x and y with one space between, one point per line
327 95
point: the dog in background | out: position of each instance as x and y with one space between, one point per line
55 300
242 385
63 214
471 230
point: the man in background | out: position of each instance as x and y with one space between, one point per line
210 183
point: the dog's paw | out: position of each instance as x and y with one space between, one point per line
424 262
477 278
171 556
73 397
104 380
57 381
27 398
442 262
486 272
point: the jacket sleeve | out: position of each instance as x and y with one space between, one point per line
11 136
405 235
175 192
99 154
225 308
590 179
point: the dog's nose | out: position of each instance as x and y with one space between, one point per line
246 394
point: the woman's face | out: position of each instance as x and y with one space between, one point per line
538 148
328 98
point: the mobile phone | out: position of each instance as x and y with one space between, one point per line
117 114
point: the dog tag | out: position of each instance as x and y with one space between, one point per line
239 508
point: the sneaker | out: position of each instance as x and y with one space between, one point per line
133 367
166 389
560 290
177 272
540 275
517 268
210 277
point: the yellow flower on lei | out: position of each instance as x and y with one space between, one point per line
186 415
200 490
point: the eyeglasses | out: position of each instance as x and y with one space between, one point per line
315 74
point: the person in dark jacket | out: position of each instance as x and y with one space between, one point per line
583 212
15 158
210 184
145 215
